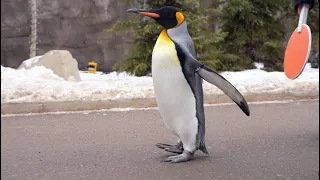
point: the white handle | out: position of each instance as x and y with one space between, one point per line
303 16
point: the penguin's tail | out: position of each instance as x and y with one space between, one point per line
203 148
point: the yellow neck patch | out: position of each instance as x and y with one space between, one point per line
180 18
165 47
164 36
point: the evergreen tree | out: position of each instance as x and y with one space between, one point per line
229 35
255 32
313 23
146 31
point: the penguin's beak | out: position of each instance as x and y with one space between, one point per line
144 12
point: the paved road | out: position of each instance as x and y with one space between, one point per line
279 141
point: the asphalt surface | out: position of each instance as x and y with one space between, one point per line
278 141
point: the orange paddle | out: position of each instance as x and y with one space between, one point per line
298 48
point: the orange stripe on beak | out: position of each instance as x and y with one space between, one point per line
153 15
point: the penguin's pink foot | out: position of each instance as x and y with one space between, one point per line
178 149
184 157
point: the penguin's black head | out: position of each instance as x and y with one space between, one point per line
168 16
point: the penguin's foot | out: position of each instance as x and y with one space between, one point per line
185 156
178 149
163 146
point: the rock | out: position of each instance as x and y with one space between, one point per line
73 25
60 62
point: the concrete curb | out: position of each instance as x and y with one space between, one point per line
41 107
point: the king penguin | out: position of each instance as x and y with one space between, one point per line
177 79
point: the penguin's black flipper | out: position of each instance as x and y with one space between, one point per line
216 79
188 58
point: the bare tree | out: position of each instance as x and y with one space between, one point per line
33 36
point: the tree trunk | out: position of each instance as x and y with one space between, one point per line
33 44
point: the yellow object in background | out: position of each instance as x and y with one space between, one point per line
92 67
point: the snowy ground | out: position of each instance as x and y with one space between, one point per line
40 84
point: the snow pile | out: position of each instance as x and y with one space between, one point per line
29 62
40 84
257 81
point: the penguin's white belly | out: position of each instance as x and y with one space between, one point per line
175 99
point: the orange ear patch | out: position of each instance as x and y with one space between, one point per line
180 18
153 15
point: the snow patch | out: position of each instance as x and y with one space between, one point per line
31 61
39 84
258 65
